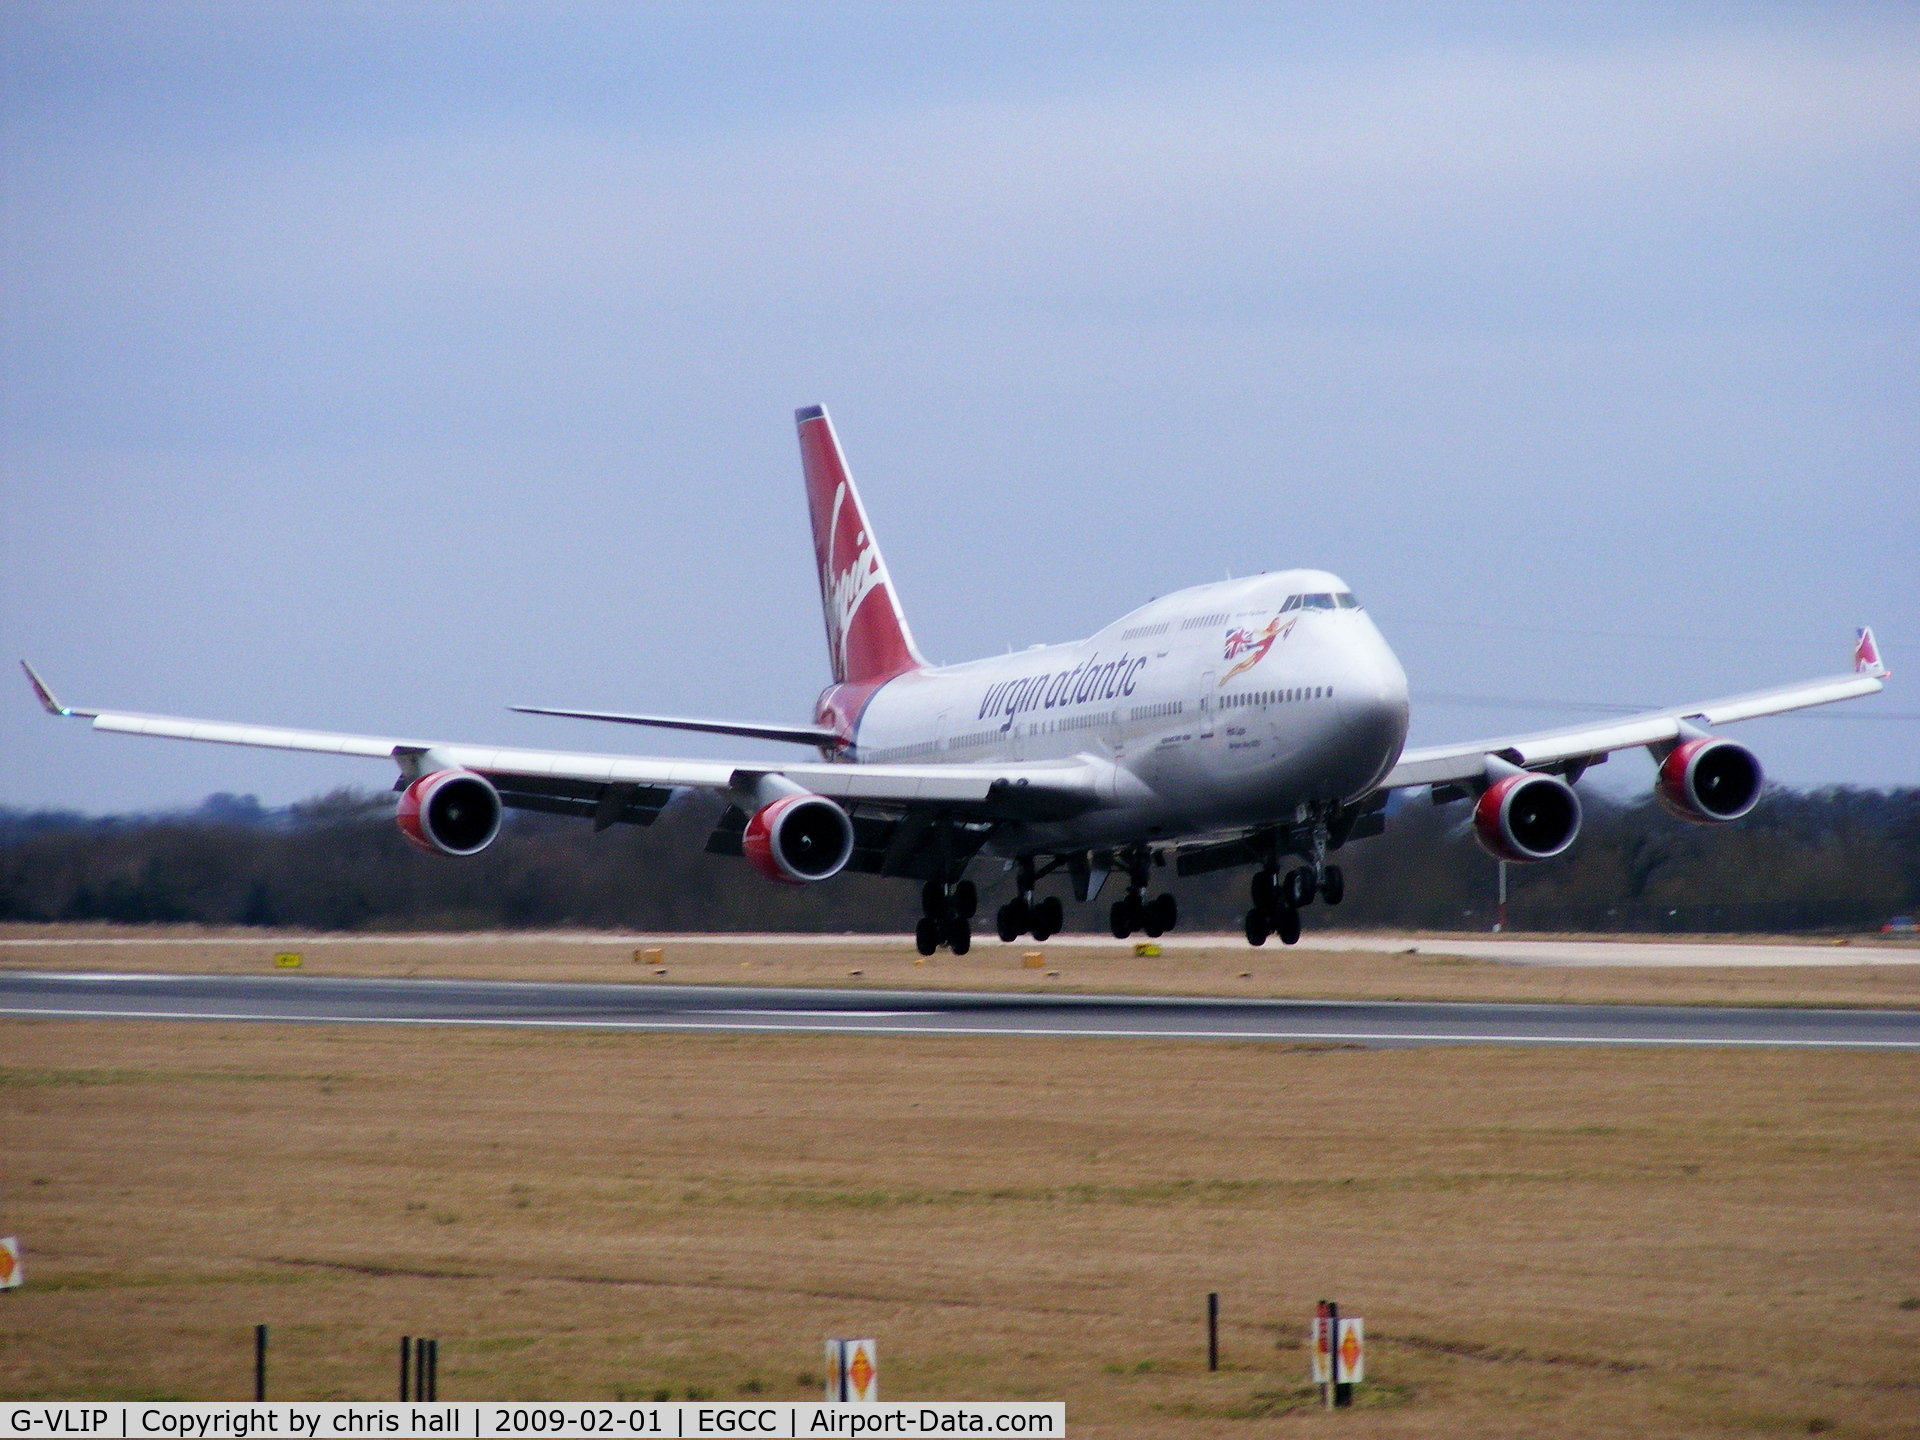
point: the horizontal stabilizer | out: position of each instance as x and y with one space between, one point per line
792 734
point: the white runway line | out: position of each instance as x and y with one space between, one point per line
1356 1036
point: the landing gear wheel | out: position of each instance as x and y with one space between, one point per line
1166 912
1266 889
1300 887
1012 920
960 937
926 935
1048 917
1286 925
1120 919
966 899
933 899
1333 885
1258 927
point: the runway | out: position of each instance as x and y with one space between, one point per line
333 1000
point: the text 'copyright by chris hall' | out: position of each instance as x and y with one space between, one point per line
572 1420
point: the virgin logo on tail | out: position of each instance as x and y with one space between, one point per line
1866 654
867 636
846 583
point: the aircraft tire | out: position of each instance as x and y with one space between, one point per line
966 899
1166 912
960 937
1257 927
1012 920
1333 885
1047 917
1266 889
1119 921
1299 888
926 935
1286 925
933 899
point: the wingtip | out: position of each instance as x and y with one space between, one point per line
42 693
1866 655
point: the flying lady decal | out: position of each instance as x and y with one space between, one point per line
1250 647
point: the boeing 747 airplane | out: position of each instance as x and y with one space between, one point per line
1250 722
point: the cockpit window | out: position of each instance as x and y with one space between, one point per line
1293 603
1316 602
1346 601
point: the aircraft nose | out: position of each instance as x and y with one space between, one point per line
1372 693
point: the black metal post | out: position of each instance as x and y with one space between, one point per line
433 1370
1213 1330
259 1362
406 1357
420 1367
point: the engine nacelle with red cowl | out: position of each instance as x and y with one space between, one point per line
798 839
1708 781
1526 817
450 812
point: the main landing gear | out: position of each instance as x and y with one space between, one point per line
947 917
1133 911
1277 899
1024 914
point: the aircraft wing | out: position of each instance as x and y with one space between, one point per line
577 782
1575 746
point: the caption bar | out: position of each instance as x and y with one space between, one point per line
571 1420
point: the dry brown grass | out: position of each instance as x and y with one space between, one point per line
1610 1242
890 963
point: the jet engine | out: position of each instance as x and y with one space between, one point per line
1526 817
1707 780
450 812
798 839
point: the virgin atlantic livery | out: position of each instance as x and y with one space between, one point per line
1250 722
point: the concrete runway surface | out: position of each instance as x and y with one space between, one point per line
1519 950
315 999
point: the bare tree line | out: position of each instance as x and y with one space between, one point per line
1835 859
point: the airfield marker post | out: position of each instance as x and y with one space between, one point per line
259 1362
406 1376
1213 1330
433 1369
1333 1354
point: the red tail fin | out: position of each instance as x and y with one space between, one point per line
867 635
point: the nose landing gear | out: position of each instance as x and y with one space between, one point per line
1278 899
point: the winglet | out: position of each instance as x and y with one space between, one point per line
45 696
1866 654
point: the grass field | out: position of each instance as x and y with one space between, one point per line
1232 968
1613 1242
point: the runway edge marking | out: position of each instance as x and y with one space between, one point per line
1027 1031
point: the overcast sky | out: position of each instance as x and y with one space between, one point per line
373 367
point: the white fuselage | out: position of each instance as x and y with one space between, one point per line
1230 704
